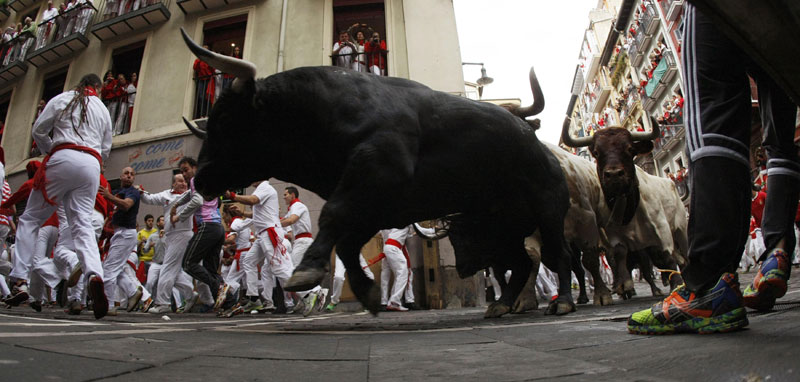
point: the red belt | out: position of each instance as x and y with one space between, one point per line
238 256
402 247
276 243
302 235
40 179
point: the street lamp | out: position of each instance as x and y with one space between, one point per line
484 80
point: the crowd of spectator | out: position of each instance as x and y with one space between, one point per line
360 54
119 94
209 83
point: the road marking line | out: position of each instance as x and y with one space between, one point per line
55 322
94 333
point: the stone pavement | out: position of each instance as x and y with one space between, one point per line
591 344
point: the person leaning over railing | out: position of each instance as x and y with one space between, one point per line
27 36
47 26
376 54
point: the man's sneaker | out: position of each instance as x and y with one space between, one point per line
221 296
252 306
158 309
769 283
396 308
97 293
147 305
74 308
308 303
19 294
331 307
323 294
298 308
412 306
719 309
37 306
188 304
61 293
75 275
133 301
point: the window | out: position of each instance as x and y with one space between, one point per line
5 102
54 83
225 36
364 22
119 89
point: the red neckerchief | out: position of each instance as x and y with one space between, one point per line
292 202
89 91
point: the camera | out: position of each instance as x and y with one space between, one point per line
375 40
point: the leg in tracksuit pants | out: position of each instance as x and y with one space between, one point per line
204 247
718 109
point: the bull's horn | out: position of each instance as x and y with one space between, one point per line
538 99
241 69
200 133
569 140
653 134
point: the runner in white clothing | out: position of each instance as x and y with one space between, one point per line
268 250
398 264
299 219
75 130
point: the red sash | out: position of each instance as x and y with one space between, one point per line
302 235
40 179
238 255
277 243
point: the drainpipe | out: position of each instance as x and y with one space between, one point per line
282 37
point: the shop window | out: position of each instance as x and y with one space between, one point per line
119 88
363 23
225 36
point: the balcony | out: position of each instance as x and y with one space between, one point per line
601 90
648 103
12 58
366 62
194 6
21 5
655 87
54 43
672 66
130 16
674 9
670 136
650 20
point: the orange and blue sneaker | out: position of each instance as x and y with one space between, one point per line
770 281
719 309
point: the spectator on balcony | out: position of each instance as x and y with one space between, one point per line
61 22
49 16
360 63
6 45
70 15
131 90
83 15
121 95
376 54
27 36
112 9
202 76
344 51
108 95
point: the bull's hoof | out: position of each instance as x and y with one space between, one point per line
525 302
582 299
603 298
373 300
304 279
496 309
560 307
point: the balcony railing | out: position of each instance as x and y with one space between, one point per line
62 35
193 6
12 58
667 139
672 66
366 62
120 17
650 20
120 110
207 90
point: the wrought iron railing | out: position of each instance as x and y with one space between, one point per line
120 110
16 49
207 89
110 9
367 62
74 20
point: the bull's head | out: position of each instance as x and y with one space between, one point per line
230 129
614 148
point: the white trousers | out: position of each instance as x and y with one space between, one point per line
298 250
546 283
45 272
152 277
339 273
72 180
64 255
172 274
122 243
395 264
233 277
273 263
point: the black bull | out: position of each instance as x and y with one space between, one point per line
386 152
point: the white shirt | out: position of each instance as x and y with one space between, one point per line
242 229
94 133
265 212
165 199
49 14
131 90
303 224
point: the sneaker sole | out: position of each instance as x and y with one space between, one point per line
75 276
728 322
99 300
18 298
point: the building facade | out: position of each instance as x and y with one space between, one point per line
50 53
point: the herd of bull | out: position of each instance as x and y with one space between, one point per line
406 153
